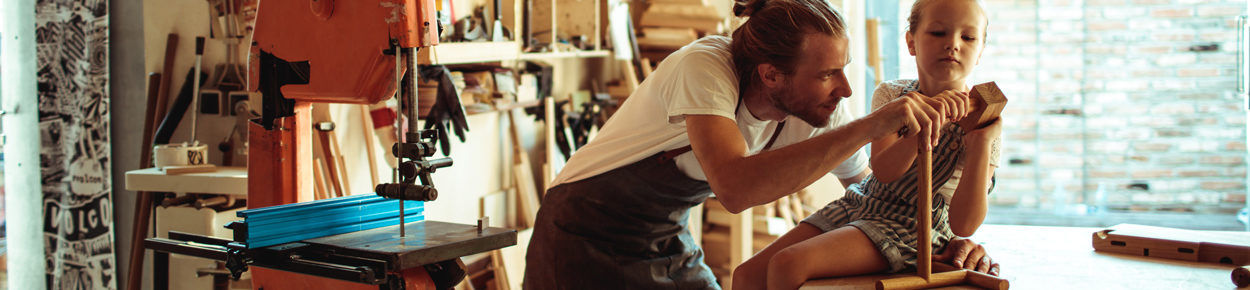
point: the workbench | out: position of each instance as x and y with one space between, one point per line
225 181
1038 257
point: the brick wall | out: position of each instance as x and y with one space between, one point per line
1136 96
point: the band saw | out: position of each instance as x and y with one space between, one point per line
331 51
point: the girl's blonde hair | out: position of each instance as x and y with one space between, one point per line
913 19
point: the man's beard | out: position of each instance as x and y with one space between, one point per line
809 113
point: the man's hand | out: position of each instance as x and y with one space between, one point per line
964 253
912 115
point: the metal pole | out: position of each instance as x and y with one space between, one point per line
23 204
399 93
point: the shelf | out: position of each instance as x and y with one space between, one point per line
507 107
475 52
566 54
469 52
226 180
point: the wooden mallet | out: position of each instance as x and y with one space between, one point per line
989 102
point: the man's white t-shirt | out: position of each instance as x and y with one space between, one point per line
698 79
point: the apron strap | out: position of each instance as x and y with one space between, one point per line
669 155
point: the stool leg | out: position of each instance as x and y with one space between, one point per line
924 211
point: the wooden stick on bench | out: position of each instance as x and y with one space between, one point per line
989 101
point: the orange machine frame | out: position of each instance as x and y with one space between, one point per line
349 49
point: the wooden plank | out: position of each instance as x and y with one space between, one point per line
342 172
366 125
326 142
582 21
631 77
700 17
741 234
668 38
319 179
185 169
501 271
796 206
784 210
695 224
549 128
514 259
523 176
1177 244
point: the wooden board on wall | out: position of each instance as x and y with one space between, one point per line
577 18
572 17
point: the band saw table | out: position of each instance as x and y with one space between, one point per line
360 258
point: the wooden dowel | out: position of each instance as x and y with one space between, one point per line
212 201
181 200
985 280
924 205
1241 276
941 279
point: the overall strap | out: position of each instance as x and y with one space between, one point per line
669 155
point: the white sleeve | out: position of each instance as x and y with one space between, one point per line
858 161
702 84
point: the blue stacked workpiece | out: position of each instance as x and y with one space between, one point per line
287 223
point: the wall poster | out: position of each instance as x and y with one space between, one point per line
71 38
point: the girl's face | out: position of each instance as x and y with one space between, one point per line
949 40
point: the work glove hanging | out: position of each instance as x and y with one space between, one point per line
447 112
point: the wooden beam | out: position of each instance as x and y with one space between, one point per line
871 27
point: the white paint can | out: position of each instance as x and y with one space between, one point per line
179 155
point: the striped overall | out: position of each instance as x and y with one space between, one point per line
886 212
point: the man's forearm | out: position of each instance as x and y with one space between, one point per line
758 179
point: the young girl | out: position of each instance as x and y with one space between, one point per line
872 228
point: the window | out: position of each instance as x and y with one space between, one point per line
1121 110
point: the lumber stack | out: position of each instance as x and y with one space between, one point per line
666 26
275 225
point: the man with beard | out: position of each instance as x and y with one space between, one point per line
751 118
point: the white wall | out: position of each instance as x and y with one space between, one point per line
23 195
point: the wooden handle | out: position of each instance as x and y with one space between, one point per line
985 281
1241 276
924 215
936 280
